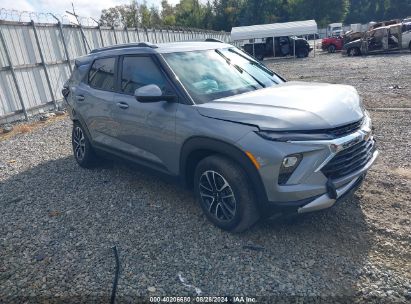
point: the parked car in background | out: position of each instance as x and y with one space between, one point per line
284 46
248 143
381 39
332 44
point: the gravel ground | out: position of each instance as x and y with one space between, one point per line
59 222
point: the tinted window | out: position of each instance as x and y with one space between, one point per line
101 75
138 72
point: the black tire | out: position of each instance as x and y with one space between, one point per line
331 48
302 53
353 52
260 57
232 207
82 150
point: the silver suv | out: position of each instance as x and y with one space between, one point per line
249 143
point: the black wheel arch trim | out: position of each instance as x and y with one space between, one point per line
217 146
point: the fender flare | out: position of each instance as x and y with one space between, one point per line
217 146
77 117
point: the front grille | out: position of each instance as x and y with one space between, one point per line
346 129
338 131
350 160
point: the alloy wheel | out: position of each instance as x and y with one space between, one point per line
79 143
217 195
353 52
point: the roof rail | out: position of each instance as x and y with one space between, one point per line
213 40
123 46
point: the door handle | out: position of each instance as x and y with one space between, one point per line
122 105
80 97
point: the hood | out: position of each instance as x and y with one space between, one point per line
289 106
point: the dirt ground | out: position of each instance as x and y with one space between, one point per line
59 221
384 83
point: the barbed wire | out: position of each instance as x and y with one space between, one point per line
42 17
51 18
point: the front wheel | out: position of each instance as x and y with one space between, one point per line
302 53
331 48
224 194
260 57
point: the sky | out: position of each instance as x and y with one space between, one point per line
86 8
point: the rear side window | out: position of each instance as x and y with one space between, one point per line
101 74
78 74
140 71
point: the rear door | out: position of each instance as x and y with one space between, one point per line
94 99
146 131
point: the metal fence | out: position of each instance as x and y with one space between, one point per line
37 58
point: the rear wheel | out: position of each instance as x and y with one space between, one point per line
82 149
331 48
224 194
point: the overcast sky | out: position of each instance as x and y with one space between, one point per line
87 8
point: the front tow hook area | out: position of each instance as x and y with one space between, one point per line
328 199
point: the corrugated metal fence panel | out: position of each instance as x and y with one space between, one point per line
108 36
74 41
8 94
59 74
93 38
51 45
20 42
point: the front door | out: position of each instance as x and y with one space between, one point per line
146 131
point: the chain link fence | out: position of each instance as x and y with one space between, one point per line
37 55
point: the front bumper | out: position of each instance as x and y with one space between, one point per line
332 195
308 188
325 201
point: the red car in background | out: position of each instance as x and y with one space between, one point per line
332 44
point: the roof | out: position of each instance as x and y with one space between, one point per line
274 30
149 48
172 47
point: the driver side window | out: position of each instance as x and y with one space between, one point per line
138 71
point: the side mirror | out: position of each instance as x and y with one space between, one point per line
152 93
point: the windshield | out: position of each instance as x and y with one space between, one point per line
213 74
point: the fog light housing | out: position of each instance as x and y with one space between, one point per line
288 166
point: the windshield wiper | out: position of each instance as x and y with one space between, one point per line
239 68
256 64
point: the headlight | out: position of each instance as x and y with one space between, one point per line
288 166
294 136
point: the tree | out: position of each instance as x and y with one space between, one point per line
121 15
324 12
167 13
155 19
189 13
224 14
145 16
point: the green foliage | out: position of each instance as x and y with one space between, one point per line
362 11
224 14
